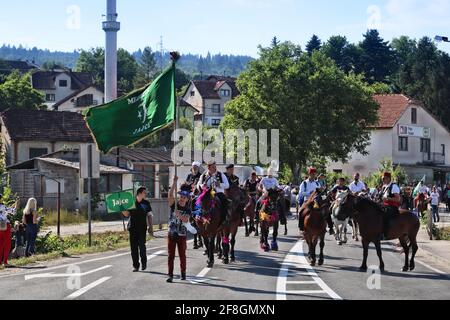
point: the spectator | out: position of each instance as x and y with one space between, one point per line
178 224
30 219
140 218
5 234
435 204
447 192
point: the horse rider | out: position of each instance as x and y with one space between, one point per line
391 200
251 185
194 176
232 178
307 188
357 186
216 180
268 183
322 181
423 190
339 187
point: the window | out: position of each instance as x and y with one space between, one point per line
216 108
225 93
50 97
443 150
85 101
145 176
63 83
215 122
37 152
403 144
192 93
414 116
106 184
425 145
164 184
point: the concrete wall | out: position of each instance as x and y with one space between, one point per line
71 105
196 100
379 149
23 148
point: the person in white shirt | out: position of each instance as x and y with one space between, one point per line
269 182
357 186
219 182
435 199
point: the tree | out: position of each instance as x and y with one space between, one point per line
17 92
345 55
314 44
328 111
93 62
378 59
147 68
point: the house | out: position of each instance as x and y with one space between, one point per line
39 177
27 134
408 134
60 83
8 66
209 97
78 101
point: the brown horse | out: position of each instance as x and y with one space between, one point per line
370 218
315 225
422 205
269 216
210 223
226 238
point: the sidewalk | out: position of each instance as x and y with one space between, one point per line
97 227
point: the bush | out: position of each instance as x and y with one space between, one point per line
49 243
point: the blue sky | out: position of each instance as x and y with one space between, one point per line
225 26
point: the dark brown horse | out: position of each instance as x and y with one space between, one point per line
422 205
249 213
315 225
269 216
370 218
210 224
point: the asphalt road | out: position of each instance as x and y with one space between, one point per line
282 275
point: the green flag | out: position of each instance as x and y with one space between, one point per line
132 118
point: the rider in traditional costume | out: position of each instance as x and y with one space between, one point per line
390 197
232 178
194 176
307 188
219 182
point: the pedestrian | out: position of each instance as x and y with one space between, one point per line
435 204
138 224
448 198
5 233
180 214
30 220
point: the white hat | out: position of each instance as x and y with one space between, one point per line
196 164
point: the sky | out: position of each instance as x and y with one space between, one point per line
216 26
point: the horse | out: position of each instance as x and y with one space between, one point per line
258 205
249 212
340 221
210 223
315 225
198 241
370 218
422 205
225 244
269 217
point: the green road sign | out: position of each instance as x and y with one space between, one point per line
120 201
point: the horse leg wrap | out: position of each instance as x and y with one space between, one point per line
226 240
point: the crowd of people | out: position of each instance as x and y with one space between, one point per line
24 232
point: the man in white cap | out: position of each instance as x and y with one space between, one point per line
193 177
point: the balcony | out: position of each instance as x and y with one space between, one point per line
433 158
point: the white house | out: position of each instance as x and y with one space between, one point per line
210 96
80 100
409 135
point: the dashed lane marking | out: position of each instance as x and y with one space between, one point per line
82 291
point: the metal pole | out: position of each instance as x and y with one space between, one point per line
89 194
59 208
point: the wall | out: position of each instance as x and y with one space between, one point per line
70 105
195 100
379 149
23 148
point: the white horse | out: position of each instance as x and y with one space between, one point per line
340 225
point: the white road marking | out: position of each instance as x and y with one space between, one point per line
430 267
156 254
200 278
82 291
296 258
64 275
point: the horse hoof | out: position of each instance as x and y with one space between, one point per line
196 247
210 265
226 261
285 233
363 269
321 262
344 242
411 268
312 264
232 260
405 269
339 243
247 235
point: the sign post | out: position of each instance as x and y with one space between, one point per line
89 169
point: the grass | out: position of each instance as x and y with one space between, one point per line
67 218
442 234
52 247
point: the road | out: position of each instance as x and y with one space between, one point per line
282 275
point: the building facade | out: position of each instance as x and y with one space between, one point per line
81 100
410 136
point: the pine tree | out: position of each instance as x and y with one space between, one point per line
314 44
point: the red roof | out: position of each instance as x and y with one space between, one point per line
392 108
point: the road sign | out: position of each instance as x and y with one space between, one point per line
89 161
120 201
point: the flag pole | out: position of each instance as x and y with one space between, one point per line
175 56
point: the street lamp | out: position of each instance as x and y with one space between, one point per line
441 39
40 174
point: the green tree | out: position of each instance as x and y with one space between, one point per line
309 100
377 59
314 44
147 68
17 92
